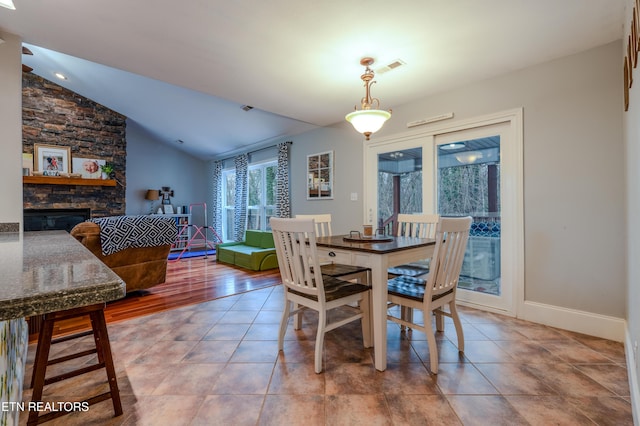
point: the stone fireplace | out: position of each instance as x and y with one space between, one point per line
53 115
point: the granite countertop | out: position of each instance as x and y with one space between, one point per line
50 271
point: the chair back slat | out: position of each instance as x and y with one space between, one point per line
417 225
322 222
295 241
451 243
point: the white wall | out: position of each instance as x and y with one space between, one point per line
152 165
11 129
347 147
631 126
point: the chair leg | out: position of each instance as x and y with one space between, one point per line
431 340
439 320
297 318
403 315
458 325
365 308
283 323
406 314
322 324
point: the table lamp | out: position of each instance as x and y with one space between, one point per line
152 195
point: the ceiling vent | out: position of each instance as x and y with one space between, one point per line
393 65
247 107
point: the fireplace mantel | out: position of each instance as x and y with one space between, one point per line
55 180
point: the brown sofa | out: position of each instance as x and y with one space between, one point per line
140 268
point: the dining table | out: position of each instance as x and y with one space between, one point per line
378 253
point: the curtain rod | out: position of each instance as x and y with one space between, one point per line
254 151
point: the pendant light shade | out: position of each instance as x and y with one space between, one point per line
368 121
8 4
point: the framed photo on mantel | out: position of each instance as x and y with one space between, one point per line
89 168
320 176
52 159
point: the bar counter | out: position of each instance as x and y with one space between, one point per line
42 272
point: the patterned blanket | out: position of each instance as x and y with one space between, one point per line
121 232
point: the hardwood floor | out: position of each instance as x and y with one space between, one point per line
189 281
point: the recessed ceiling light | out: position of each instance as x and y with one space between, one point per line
60 75
451 146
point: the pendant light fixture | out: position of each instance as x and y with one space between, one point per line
369 119
8 4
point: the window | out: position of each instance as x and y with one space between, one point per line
261 197
228 191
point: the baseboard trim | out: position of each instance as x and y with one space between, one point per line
632 373
597 325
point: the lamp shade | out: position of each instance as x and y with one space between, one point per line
369 120
469 157
152 195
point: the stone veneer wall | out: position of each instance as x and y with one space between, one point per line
53 115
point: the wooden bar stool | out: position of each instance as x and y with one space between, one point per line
102 349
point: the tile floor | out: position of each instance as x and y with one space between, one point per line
217 363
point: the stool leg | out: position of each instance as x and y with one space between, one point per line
40 366
104 355
42 342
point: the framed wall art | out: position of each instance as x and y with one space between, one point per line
320 176
52 159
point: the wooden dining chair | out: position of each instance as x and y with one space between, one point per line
418 226
431 293
306 288
322 224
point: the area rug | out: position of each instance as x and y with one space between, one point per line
188 254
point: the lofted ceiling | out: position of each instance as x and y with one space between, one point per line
184 70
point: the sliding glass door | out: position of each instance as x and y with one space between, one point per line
472 169
468 172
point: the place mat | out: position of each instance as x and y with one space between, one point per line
374 239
